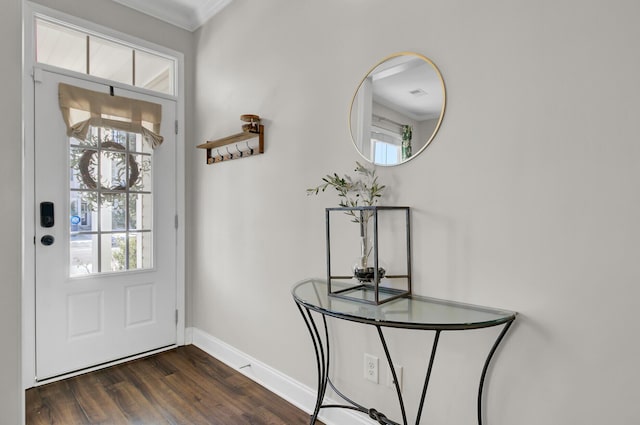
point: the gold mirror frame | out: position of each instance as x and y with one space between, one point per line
397 113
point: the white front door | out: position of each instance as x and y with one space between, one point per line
105 237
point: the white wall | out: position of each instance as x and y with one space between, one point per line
10 212
528 198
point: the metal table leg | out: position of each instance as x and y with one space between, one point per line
322 357
321 347
436 339
486 367
393 373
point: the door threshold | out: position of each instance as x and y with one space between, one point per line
40 382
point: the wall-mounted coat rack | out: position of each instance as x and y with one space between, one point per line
241 145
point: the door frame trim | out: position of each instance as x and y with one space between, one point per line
28 171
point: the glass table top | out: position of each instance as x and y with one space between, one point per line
414 311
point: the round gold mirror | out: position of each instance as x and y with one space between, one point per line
397 109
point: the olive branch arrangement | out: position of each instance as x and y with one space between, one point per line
364 190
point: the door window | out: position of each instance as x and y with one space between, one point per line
111 202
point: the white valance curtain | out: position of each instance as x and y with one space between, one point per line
82 108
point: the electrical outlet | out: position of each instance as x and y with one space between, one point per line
398 369
371 368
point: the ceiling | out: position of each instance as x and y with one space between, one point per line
410 86
187 14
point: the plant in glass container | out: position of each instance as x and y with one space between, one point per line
362 190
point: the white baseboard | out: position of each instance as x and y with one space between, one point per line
275 381
188 336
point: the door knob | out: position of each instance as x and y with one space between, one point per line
47 240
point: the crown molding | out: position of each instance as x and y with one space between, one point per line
207 10
186 14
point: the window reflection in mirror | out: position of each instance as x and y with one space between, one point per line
397 109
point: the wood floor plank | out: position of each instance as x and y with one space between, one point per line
171 400
184 386
217 406
206 390
57 406
36 411
95 401
134 405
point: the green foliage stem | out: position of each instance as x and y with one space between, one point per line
363 190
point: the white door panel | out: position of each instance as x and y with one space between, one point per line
106 286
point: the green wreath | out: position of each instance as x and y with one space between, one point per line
87 178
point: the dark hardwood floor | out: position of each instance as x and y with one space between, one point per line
184 386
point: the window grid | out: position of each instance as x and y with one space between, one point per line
98 233
158 73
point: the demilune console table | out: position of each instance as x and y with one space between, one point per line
412 312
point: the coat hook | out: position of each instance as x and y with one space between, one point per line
239 151
221 157
250 148
230 154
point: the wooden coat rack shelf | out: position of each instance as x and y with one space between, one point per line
222 150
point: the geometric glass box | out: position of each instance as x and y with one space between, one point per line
381 235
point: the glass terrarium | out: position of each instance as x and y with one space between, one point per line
369 248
